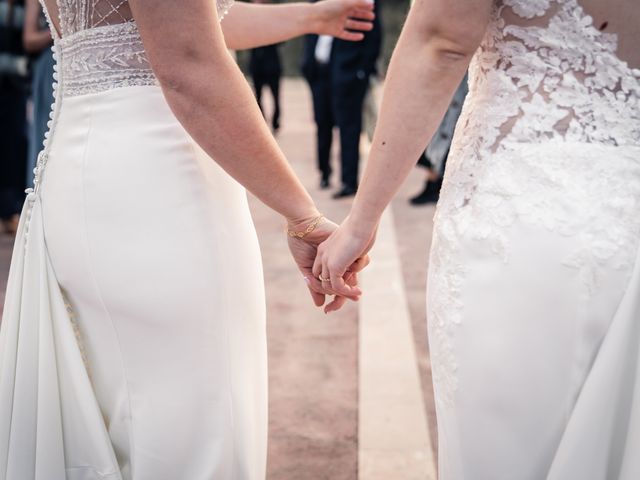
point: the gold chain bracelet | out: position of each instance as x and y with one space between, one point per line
310 228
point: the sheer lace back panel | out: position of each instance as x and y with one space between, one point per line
98 44
78 15
558 73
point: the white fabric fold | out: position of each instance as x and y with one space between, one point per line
607 413
50 425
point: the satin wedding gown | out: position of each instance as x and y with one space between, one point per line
133 341
534 283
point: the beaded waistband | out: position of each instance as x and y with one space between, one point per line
103 58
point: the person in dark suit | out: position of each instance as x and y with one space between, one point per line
265 69
338 73
318 75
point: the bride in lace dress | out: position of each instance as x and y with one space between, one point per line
534 274
133 337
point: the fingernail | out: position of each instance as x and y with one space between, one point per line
307 281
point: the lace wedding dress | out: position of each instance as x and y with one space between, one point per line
133 339
534 284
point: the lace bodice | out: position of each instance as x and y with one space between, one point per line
554 72
99 47
549 137
543 73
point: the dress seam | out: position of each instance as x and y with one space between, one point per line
196 155
98 289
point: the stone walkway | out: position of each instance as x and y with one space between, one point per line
319 427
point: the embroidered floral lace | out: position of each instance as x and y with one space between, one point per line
100 47
549 99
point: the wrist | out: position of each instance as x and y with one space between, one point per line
302 230
361 226
301 218
313 18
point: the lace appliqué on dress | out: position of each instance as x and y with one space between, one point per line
528 8
223 7
547 107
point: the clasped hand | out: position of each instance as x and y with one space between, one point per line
330 258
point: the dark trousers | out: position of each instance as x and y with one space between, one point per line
273 82
323 115
348 101
13 148
425 161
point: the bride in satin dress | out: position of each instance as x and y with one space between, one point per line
534 275
133 339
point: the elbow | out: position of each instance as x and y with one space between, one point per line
29 43
183 70
176 74
451 51
170 70
170 81
455 39
453 42
193 81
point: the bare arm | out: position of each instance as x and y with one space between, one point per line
249 25
212 100
34 38
210 97
431 57
430 60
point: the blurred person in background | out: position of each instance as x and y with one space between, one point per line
339 73
316 71
266 69
37 42
13 108
434 158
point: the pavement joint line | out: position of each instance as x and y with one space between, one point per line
393 429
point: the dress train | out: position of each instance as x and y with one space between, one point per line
607 412
49 411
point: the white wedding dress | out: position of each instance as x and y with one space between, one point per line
534 283
133 343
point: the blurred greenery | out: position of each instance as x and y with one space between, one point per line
393 13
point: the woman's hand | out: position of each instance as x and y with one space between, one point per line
304 251
341 257
344 19
251 25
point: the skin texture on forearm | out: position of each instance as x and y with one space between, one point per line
37 41
212 100
223 117
250 25
427 66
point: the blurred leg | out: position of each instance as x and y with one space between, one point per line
348 103
274 85
324 117
258 84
